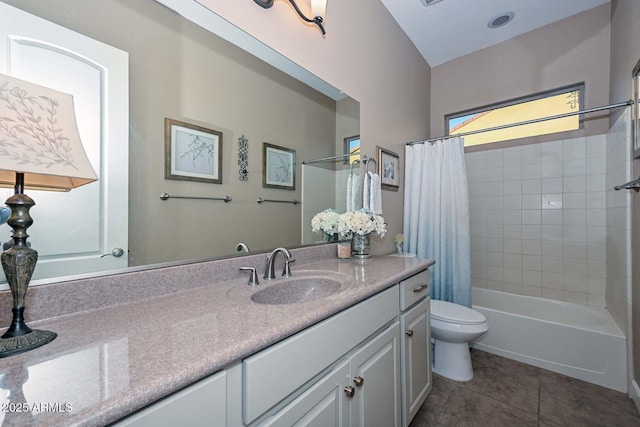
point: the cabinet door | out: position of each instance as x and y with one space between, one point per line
323 405
375 376
201 404
416 355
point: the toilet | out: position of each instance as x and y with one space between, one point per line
453 326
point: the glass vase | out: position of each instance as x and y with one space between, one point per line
361 246
330 238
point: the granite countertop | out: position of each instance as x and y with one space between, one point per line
108 362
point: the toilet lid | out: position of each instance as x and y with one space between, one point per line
455 313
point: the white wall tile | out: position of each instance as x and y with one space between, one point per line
574 184
512 187
494 245
577 267
596 166
575 233
512 216
596 146
596 217
494 259
513 246
493 174
555 294
494 216
512 156
532 262
574 217
596 182
494 230
511 173
551 185
553 280
531 247
552 248
576 250
512 231
574 167
551 216
534 291
574 149
574 200
531 154
531 232
513 275
532 171
512 202
553 232
495 159
575 283
532 201
494 274
552 264
552 169
531 186
513 261
531 216
531 277
575 297
597 251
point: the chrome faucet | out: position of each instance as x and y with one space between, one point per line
269 273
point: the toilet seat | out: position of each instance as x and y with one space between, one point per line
455 313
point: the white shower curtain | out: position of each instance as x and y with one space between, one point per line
436 216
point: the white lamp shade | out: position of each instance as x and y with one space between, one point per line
318 8
39 137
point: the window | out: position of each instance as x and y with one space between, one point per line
551 103
352 146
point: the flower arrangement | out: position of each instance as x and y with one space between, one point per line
361 222
325 222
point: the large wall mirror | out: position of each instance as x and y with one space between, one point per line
179 70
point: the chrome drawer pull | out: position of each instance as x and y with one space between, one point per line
358 381
421 288
409 333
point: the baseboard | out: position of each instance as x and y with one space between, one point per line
634 392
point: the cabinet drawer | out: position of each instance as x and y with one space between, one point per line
201 404
274 373
413 289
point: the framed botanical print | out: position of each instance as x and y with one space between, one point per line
192 152
388 169
278 167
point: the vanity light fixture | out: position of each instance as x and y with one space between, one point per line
41 150
318 9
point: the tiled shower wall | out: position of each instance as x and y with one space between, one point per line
538 219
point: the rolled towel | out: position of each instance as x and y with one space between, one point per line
356 193
349 193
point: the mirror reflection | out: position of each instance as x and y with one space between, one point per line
179 71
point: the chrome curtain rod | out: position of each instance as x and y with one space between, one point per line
527 122
324 159
631 185
165 196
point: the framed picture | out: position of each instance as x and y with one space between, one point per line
635 111
192 153
388 169
278 167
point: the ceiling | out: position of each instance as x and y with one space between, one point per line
448 29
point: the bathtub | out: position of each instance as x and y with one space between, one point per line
570 339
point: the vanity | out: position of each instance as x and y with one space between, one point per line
201 351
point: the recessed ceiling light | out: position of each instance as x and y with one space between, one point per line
501 19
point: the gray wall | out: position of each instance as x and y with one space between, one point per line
570 51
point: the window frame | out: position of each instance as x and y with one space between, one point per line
580 87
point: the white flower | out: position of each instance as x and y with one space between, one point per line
325 222
361 222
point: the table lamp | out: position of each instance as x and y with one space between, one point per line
40 149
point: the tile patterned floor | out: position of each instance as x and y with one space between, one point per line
505 393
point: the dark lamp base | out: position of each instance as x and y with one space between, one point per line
16 345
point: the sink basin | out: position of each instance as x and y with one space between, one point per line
296 291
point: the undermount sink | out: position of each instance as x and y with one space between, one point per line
302 287
295 291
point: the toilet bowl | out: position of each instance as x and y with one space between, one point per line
453 326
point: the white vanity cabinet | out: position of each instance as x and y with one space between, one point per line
416 344
201 404
365 336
